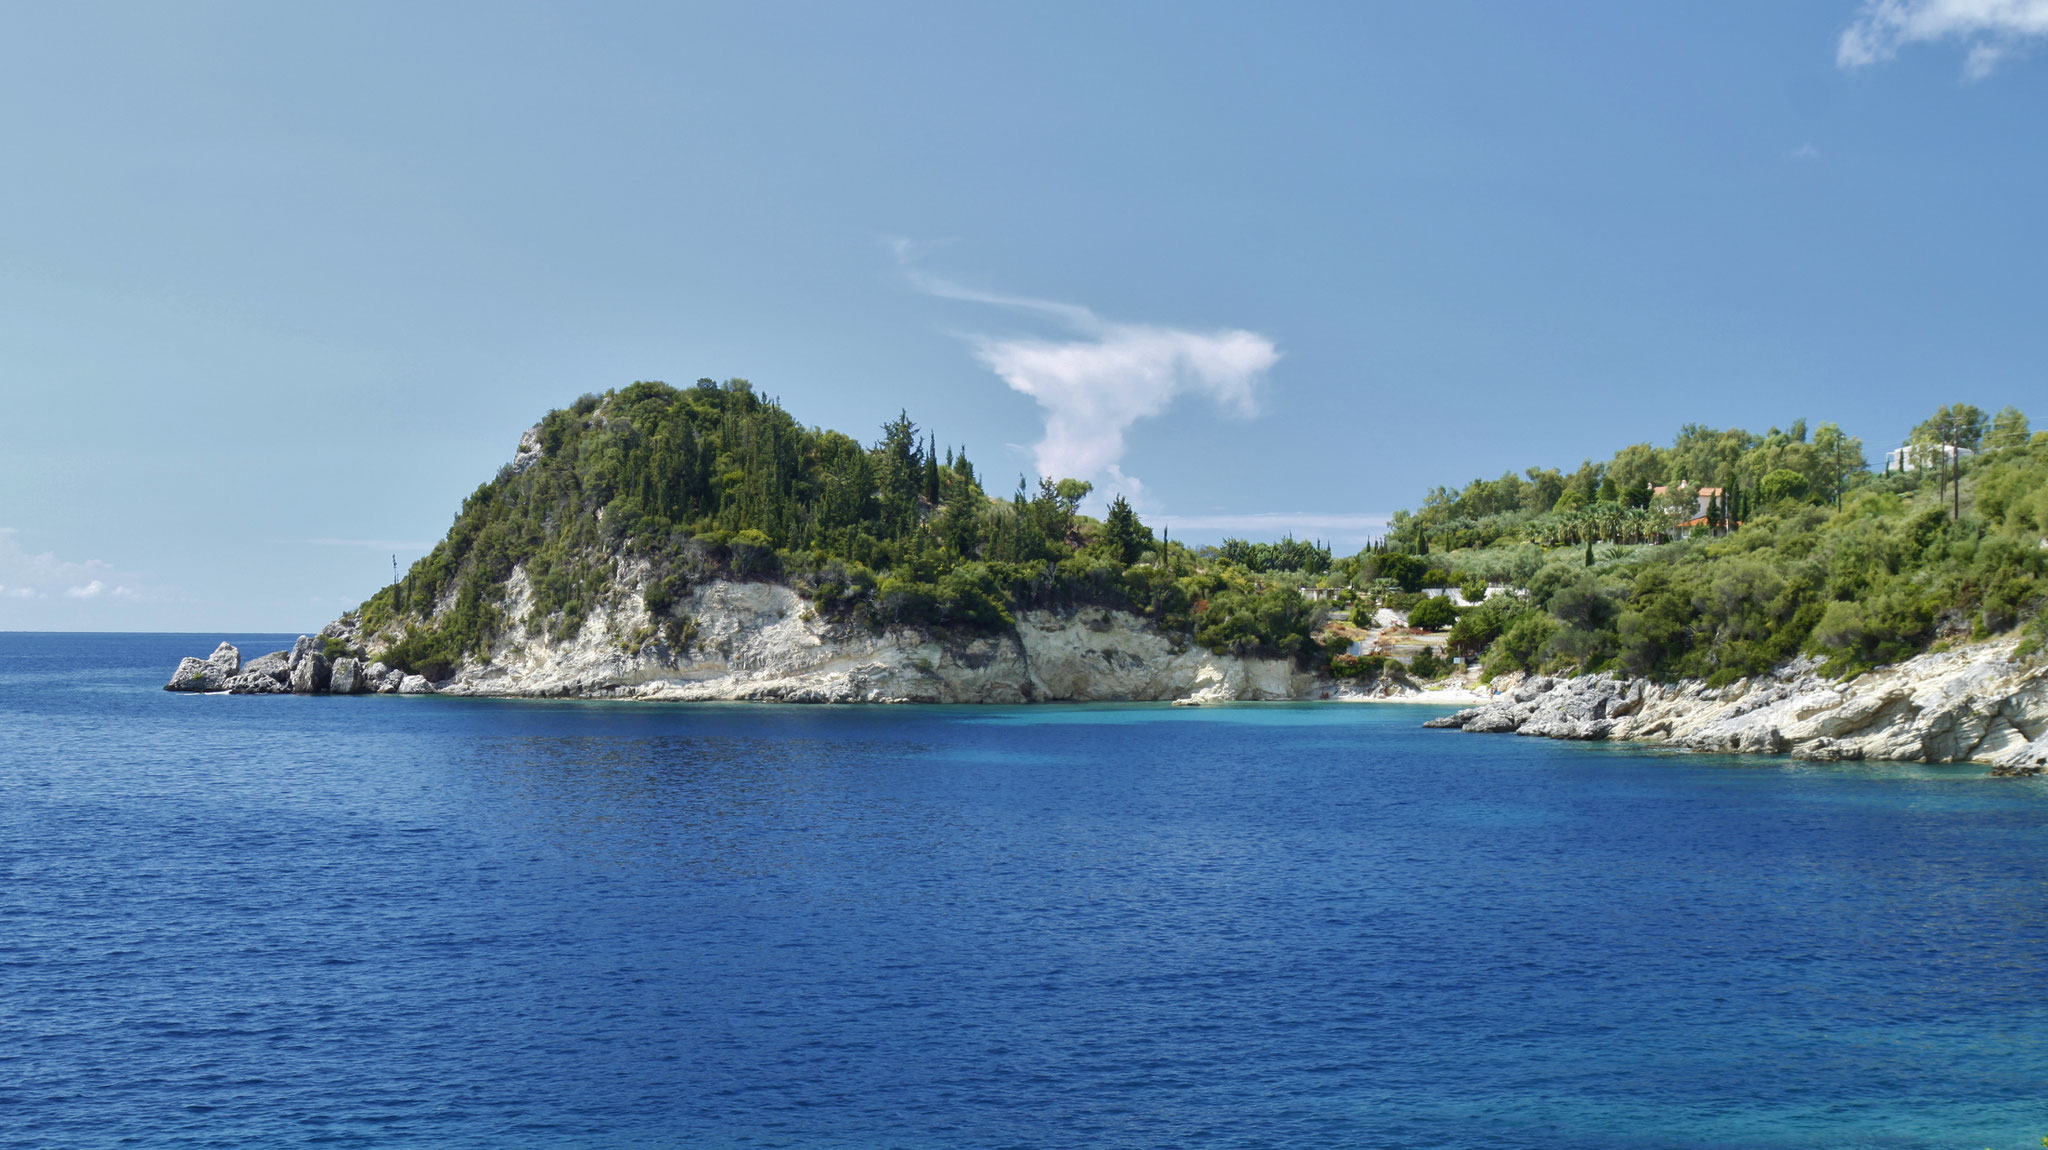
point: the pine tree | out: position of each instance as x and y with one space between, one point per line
1122 534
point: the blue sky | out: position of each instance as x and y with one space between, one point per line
280 285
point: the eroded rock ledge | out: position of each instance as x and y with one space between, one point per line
1973 704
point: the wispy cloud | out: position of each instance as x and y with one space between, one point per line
1107 375
41 576
1805 151
1992 30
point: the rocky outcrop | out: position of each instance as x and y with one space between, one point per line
209 674
303 669
342 679
1973 704
310 674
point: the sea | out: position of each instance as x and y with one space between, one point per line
438 922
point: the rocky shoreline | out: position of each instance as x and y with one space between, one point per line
305 669
1972 704
762 642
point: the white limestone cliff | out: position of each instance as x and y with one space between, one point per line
758 640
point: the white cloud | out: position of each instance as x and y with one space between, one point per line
1093 390
1992 29
39 576
1107 376
1806 151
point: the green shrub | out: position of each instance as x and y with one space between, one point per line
1433 614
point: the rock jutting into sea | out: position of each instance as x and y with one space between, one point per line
304 669
1971 704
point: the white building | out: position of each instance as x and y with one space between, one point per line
1914 456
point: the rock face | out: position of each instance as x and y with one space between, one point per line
343 680
1973 704
276 666
310 674
763 641
209 674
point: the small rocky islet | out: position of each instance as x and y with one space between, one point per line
304 669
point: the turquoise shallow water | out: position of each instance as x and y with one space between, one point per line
435 922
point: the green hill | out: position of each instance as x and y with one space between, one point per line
716 481
1729 553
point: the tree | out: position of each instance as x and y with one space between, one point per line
1404 570
1428 665
1951 430
2008 429
901 470
1784 485
1433 614
1122 535
1841 455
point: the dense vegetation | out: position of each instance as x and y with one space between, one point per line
717 481
1793 547
1720 556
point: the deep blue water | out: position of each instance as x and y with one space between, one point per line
433 922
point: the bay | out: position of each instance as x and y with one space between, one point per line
397 921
